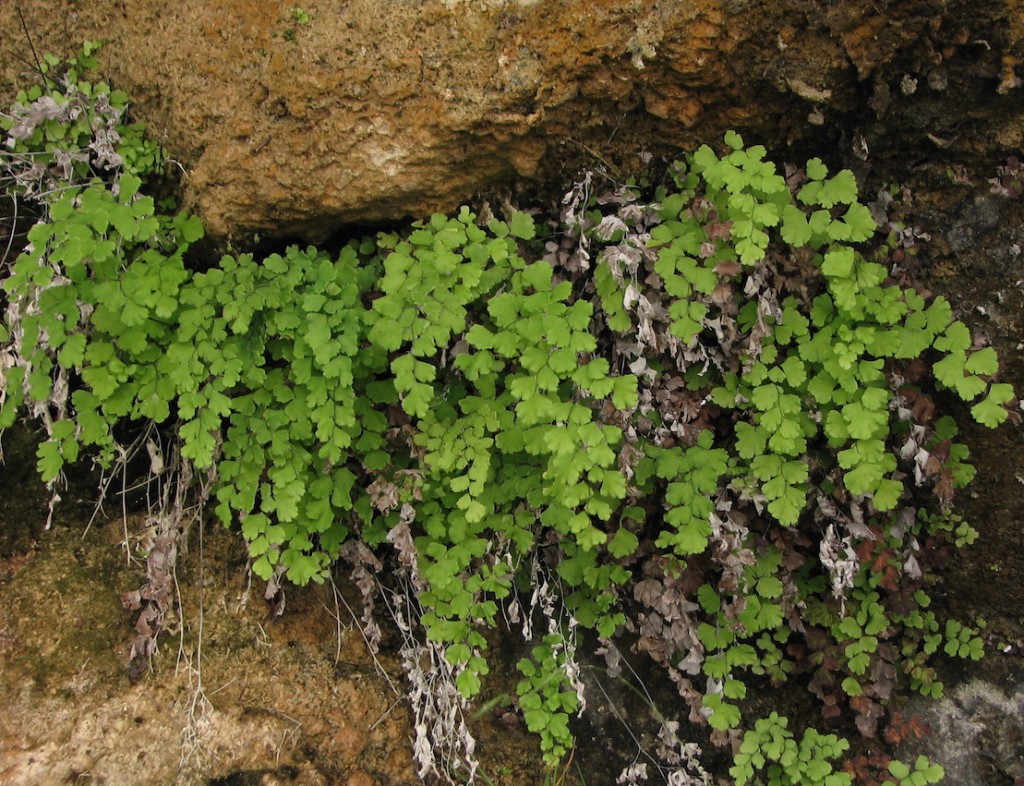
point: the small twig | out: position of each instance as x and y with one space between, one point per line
626 726
589 151
199 705
31 45
263 640
293 731
126 455
10 236
232 681
387 712
380 668
565 770
336 614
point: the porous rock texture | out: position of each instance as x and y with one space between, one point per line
292 121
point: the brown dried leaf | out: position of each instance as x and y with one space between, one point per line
383 494
132 600
728 267
718 231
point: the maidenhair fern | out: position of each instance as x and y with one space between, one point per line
693 381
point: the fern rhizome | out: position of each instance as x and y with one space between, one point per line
693 416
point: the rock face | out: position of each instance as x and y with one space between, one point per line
985 715
298 703
291 120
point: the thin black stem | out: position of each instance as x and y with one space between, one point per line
31 45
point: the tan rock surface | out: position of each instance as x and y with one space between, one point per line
378 110
297 702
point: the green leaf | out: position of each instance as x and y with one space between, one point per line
795 229
521 226
623 544
418 399
480 337
752 249
538 276
990 411
503 309
101 382
709 599
72 353
734 689
468 683
189 227
840 189
851 687
128 187
983 362
787 508
838 263
690 534
862 225
887 495
956 338
724 716
765 397
387 334
769 587
816 170
624 392
864 423
50 460
750 440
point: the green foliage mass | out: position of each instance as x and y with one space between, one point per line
728 354
771 746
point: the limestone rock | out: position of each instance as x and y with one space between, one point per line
984 716
297 121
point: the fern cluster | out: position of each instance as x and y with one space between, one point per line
704 384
